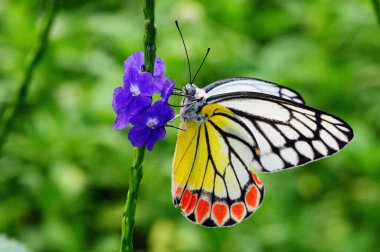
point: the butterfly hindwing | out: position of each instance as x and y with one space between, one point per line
244 84
211 180
288 134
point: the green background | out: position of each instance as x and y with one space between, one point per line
64 170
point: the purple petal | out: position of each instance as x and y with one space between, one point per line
155 136
138 83
137 104
159 110
120 99
167 90
168 114
162 111
146 84
139 136
159 83
134 61
130 76
134 106
159 67
122 121
141 119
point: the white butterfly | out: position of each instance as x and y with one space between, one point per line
237 124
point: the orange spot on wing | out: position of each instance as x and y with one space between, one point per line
257 180
238 211
203 210
220 213
185 199
252 197
178 191
191 205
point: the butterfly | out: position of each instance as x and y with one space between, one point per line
238 125
235 126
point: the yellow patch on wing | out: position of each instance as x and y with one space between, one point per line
200 164
185 152
211 109
192 166
208 183
218 149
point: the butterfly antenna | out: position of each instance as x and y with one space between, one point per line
184 45
208 50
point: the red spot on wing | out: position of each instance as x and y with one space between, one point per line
257 180
238 211
185 199
203 210
252 197
220 213
190 207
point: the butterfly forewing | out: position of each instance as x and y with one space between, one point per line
287 133
244 84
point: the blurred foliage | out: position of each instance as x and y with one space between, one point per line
64 171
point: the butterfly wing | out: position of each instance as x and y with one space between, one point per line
286 133
211 180
244 84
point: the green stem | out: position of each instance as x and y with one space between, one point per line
130 205
136 169
150 36
376 6
46 24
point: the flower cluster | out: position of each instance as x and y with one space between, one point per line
132 103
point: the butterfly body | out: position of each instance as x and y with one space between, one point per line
194 100
234 126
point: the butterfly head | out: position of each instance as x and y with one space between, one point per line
192 91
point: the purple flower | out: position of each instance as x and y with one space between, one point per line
126 106
136 61
133 98
149 127
132 103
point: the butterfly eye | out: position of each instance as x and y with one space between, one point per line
190 90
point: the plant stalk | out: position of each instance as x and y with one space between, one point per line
36 56
376 7
136 169
130 205
149 36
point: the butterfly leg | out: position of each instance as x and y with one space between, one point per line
175 127
172 126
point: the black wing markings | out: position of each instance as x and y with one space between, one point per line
184 154
232 151
339 125
192 166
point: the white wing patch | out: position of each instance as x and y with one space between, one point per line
233 186
288 131
244 84
286 134
320 147
260 108
274 136
289 155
